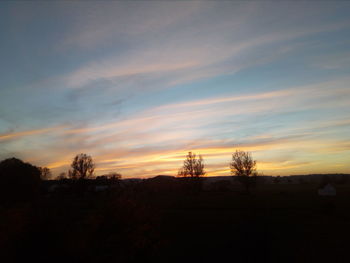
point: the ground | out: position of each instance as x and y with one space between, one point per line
275 223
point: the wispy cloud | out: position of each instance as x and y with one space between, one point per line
170 130
16 135
197 51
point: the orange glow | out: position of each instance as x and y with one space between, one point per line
13 135
148 162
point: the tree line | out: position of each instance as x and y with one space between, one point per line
243 166
25 176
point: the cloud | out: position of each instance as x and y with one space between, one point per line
197 47
158 138
16 135
97 24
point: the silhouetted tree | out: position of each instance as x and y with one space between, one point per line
193 171
45 173
192 166
244 168
61 176
81 167
18 180
114 176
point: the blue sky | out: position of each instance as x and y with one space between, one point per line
139 84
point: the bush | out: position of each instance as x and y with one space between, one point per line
19 181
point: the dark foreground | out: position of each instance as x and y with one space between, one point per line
275 223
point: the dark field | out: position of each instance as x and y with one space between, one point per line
275 223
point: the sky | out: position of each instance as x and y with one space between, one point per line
138 84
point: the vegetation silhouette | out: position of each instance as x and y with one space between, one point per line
243 167
192 172
193 167
114 177
61 176
45 173
110 219
82 167
20 181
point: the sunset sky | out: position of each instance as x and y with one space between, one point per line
137 85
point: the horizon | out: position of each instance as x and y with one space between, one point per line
203 177
138 85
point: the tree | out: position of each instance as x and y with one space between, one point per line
82 167
61 176
18 180
114 176
192 170
244 168
192 166
45 173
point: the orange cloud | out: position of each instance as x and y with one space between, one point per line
13 135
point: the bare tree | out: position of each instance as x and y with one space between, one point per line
45 173
192 166
82 167
244 167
